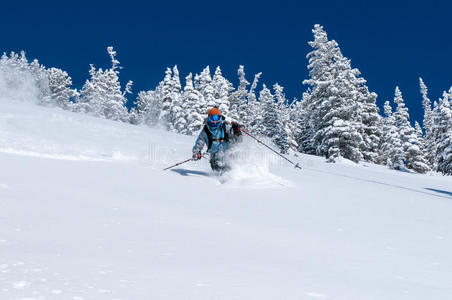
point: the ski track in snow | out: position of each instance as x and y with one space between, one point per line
88 213
389 184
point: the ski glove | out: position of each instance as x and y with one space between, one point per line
236 128
197 156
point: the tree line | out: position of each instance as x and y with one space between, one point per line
336 117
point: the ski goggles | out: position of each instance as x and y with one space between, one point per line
214 118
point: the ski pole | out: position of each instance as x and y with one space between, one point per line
182 162
178 164
296 165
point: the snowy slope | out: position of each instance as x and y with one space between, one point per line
87 213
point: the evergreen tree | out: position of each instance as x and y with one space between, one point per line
305 128
205 88
419 136
29 80
291 126
287 119
445 159
442 118
138 111
269 113
222 91
281 100
195 107
178 121
102 95
253 115
333 100
91 93
147 108
321 73
384 148
391 150
238 102
413 157
60 88
40 76
371 120
167 93
430 146
18 83
270 124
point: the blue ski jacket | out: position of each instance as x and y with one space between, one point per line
217 135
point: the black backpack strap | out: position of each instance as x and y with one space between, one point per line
225 132
209 137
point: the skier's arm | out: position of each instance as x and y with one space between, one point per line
235 132
200 142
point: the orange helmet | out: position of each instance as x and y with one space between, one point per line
214 111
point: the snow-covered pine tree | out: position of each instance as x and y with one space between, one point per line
39 73
391 150
287 120
265 124
167 92
421 143
291 127
417 162
321 74
222 92
270 123
178 121
238 99
61 92
34 77
371 122
16 80
384 148
334 100
445 160
205 88
102 95
138 111
13 61
147 107
195 107
91 93
442 120
176 80
115 100
363 113
414 158
253 115
114 104
305 129
429 139
281 100
4 60
419 134
196 83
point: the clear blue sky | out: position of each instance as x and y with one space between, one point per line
391 42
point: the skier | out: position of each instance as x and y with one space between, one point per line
218 135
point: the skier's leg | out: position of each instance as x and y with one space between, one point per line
221 162
213 162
